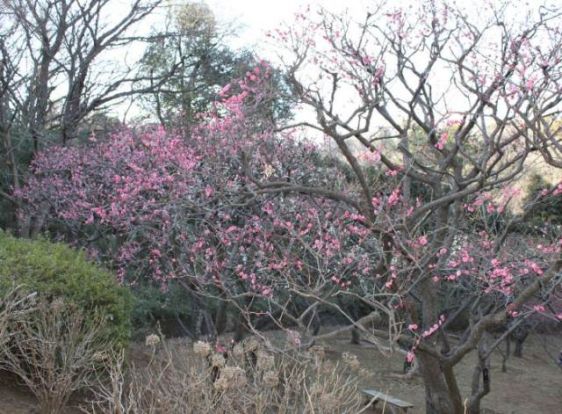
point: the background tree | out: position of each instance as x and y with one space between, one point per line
55 73
198 46
547 204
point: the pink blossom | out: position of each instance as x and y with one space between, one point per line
442 140
225 90
394 197
209 191
442 251
371 155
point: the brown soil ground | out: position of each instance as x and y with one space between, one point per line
531 385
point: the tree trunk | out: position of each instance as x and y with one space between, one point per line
239 329
355 336
519 335
438 399
23 225
442 395
518 351
221 318
507 353
482 370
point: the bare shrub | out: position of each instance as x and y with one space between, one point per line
246 379
12 305
54 350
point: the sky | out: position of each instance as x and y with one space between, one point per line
250 20
259 16
256 17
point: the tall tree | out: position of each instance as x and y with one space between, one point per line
195 42
54 71
484 92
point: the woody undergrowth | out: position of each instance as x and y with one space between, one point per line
248 378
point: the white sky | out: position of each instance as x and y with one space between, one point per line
258 16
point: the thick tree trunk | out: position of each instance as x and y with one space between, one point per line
519 335
30 225
439 398
442 395
239 329
23 225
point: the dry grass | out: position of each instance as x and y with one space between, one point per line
248 379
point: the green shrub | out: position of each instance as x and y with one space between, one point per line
155 309
54 270
175 311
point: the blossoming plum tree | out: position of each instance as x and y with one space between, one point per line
160 207
433 117
452 106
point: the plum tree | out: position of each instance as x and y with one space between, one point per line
433 115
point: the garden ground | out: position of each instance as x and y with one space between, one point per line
531 385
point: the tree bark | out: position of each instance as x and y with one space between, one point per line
442 395
221 318
437 394
355 336
481 371
518 351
